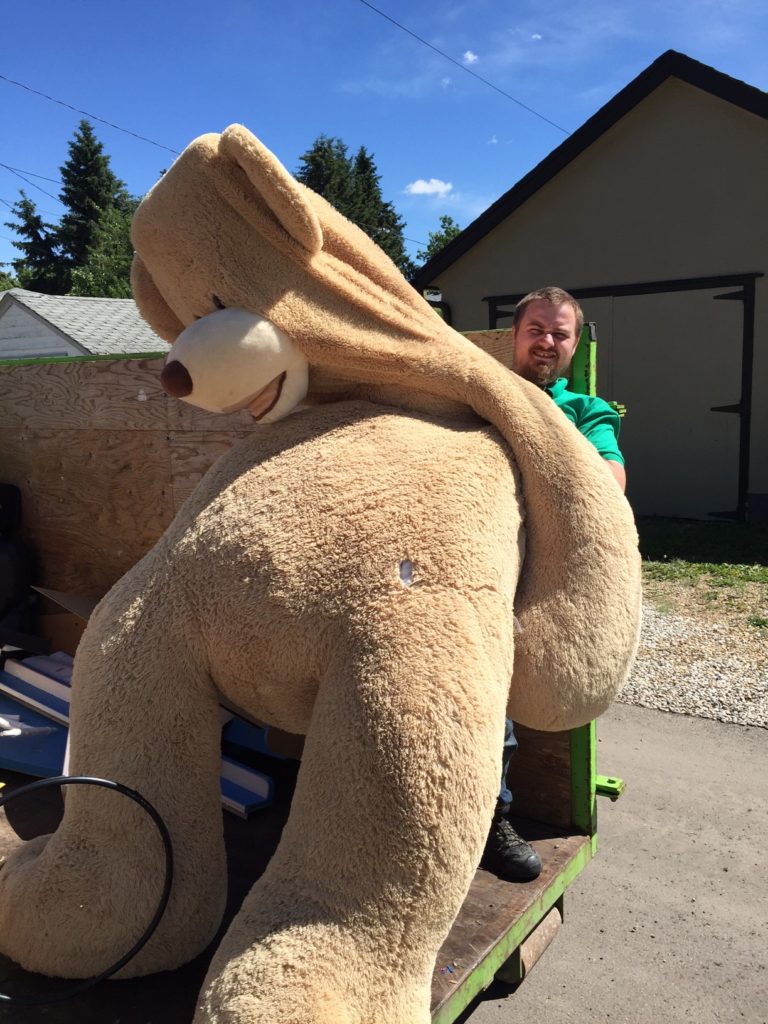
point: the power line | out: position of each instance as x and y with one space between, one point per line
42 177
23 178
29 248
463 67
37 246
11 205
390 231
21 173
94 117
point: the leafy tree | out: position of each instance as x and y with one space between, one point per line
107 268
7 281
352 185
39 268
438 240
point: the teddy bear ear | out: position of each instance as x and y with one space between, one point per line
276 187
152 306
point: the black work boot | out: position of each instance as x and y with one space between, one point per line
508 855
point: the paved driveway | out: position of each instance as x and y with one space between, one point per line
669 923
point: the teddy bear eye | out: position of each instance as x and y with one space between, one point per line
217 302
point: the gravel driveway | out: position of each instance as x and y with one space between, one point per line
701 658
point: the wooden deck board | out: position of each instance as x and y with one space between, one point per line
493 907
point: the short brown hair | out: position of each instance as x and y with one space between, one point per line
555 297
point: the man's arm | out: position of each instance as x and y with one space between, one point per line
600 424
618 471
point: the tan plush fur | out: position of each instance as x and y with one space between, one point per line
279 587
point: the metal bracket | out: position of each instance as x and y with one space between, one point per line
610 786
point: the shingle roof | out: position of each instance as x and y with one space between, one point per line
670 64
98 326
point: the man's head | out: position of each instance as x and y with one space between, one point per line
545 333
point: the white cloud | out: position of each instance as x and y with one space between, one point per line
470 58
433 187
493 141
536 35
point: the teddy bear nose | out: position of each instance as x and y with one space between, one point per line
175 379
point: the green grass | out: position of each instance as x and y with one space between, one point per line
687 550
717 574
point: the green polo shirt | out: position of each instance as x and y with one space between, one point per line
592 417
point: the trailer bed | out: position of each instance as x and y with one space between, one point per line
494 920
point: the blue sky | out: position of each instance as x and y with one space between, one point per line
443 141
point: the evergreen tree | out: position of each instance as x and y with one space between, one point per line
89 252
367 200
89 188
390 238
326 169
379 219
352 186
40 267
438 240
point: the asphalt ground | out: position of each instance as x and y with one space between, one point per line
669 922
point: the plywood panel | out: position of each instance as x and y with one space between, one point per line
192 453
93 501
104 460
182 416
496 343
119 394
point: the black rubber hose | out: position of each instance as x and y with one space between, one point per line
86 780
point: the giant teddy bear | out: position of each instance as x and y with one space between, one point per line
410 542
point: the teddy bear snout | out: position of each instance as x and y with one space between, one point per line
175 379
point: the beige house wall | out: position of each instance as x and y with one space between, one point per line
675 189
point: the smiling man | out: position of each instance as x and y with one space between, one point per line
545 332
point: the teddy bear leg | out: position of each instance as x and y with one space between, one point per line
73 903
9 841
392 806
